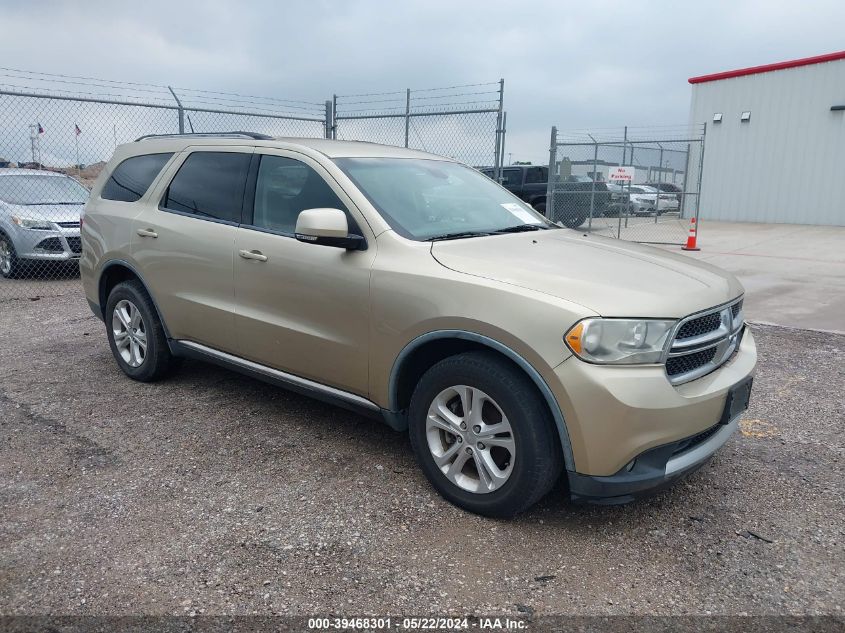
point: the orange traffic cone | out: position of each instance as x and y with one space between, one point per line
691 238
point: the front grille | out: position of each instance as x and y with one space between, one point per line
695 440
75 244
689 362
700 325
68 225
51 244
703 342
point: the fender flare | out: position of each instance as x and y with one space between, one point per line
124 264
532 373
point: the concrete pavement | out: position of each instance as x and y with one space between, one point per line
794 275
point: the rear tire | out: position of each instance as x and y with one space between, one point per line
136 335
508 455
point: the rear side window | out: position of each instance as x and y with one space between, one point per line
131 179
210 184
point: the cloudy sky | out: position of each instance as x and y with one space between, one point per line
572 64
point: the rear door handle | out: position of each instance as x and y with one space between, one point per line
256 255
146 233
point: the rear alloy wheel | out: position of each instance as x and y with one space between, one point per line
10 265
129 332
483 435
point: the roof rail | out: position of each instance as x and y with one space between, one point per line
253 135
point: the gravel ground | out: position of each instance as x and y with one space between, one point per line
213 493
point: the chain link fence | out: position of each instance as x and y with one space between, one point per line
652 201
464 122
57 133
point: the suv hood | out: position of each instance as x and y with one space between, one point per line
608 276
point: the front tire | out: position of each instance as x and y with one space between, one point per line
483 435
136 335
10 266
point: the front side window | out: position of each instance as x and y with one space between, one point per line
536 175
209 184
130 180
34 189
427 199
285 187
512 177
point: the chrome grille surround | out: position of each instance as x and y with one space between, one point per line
701 343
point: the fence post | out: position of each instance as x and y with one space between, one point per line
407 115
334 117
659 180
497 166
628 204
625 145
328 130
502 144
180 110
684 195
550 185
700 176
593 185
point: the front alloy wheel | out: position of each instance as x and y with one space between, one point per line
470 439
130 335
9 263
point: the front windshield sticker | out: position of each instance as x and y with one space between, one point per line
521 213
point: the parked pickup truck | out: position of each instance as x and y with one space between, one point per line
572 195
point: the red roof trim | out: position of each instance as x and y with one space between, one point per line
754 70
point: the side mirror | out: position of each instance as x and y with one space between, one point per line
327 227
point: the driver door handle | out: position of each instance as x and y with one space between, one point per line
146 233
256 255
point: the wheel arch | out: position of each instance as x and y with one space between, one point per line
536 199
425 350
115 272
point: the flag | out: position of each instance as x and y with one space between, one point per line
40 129
76 129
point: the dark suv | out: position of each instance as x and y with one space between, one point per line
573 195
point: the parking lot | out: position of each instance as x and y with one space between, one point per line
214 493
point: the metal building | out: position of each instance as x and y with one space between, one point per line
775 142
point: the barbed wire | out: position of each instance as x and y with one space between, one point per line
140 92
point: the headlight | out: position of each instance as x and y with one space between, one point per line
619 341
27 223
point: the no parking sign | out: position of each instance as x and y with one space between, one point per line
622 173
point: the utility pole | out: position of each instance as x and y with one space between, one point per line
35 143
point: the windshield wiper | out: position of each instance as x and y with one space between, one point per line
456 236
521 228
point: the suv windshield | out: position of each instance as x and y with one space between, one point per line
431 199
37 189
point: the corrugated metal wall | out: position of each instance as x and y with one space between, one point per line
787 164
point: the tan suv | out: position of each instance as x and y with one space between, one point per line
414 289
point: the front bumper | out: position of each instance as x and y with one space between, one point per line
653 470
57 245
616 413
